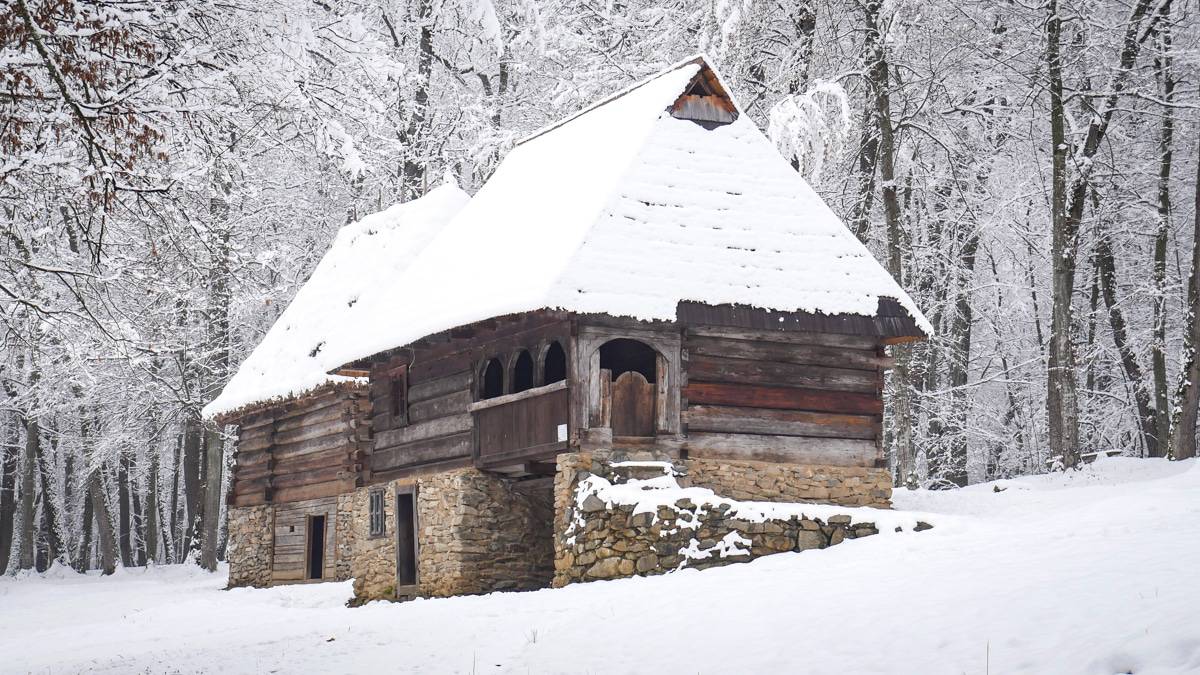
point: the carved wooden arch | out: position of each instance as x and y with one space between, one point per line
539 364
481 375
510 370
666 345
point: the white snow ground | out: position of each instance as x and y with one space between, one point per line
1091 572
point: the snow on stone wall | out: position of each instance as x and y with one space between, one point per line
618 519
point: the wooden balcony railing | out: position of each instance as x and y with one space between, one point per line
529 426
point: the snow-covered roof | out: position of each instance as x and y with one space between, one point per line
620 209
625 210
300 349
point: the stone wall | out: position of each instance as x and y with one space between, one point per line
774 482
618 519
476 534
250 544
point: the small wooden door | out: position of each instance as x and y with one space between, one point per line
315 558
632 405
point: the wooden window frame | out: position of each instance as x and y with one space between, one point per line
377 513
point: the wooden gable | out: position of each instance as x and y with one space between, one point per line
705 100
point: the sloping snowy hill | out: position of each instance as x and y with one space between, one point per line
1091 572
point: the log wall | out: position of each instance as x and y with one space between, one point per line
795 397
311 448
438 431
289 559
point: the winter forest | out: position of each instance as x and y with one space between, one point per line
172 171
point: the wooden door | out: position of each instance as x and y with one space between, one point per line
632 405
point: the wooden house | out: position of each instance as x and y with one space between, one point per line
648 278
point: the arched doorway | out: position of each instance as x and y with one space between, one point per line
629 374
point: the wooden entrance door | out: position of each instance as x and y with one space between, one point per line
632 405
315 555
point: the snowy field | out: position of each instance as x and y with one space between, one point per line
1091 572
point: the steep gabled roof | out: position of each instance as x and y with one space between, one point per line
664 193
300 349
627 210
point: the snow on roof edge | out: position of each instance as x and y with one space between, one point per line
699 58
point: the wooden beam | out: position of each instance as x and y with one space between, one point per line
784 398
783 449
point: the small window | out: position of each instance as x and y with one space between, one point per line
555 367
399 398
378 521
493 380
523 372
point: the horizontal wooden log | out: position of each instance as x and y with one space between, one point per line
256 444
328 489
309 404
309 432
245 474
421 452
251 458
519 396
784 398
784 449
336 411
259 484
704 368
443 426
727 419
247 498
324 444
789 337
420 470
419 391
286 575
815 355
314 477
443 406
321 460
429 367
522 455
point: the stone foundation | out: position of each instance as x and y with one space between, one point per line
476 534
772 482
250 544
604 532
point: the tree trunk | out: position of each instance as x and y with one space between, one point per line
1187 397
104 526
174 542
151 507
1162 404
56 550
124 533
879 86
956 469
191 480
1107 269
28 474
215 445
1062 404
412 135
8 489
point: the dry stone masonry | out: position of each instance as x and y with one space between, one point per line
618 519
775 482
250 543
476 534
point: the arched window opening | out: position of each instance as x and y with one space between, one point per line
555 366
523 372
493 380
623 355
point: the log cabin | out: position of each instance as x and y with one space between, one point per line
647 278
